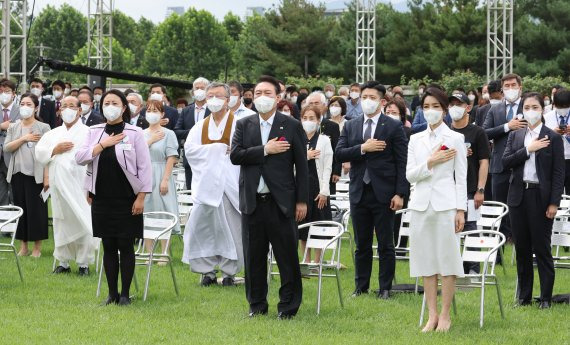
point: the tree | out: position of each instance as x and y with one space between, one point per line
123 58
131 34
192 44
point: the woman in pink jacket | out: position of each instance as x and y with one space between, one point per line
118 177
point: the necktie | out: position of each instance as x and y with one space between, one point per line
57 105
83 119
6 115
562 120
367 135
197 115
265 128
510 113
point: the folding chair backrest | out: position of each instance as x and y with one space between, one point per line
185 202
320 235
341 202
491 216
404 226
476 247
560 239
9 217
158 225
342 187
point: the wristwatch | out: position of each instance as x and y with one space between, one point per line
481 190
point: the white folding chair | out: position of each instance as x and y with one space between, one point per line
185 204
179 178
346 235
487 243
561 238
9 217
492 214
403 251
342 187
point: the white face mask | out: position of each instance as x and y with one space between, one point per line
180 110
199 95
329 94
282 95
112 112
494 101
369 106
433 116
395 117
420 91
85 108
97 98
133 108
5 97
471 97
335 111
532 116
511 94
215 104
546 102
486 96
26 112
294 99
456 112
344 97
152 117
264 104
57 94
355 95
156 97
233 101
68 115
309 126
562 111
67 91
288 113
36 91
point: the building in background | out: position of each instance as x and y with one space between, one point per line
250 11
335 8
179 10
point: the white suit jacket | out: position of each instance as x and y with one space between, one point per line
445 185
324 163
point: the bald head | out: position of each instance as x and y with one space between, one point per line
70 102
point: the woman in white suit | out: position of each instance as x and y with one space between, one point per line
437 165
320 160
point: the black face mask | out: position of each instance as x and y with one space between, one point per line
247 101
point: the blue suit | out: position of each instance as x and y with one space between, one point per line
420 123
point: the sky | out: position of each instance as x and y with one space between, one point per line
155 10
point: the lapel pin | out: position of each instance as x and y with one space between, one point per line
280 127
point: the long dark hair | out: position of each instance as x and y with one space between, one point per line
36 102
121 95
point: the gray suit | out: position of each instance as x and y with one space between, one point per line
5 195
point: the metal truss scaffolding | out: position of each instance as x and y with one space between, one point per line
499 38
365 40
13 39
100 34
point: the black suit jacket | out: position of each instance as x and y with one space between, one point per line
94 118
387 169
332 130
142 122
550 167
481 114
494 128
286 174
47 112
169 112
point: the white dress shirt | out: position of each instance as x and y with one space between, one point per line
85 118
552 121
529 173
365 125
199 112
436 135
515 109
265 128
135 119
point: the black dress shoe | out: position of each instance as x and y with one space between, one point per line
124 301
358 292
83 271
254 313
112 300
544 305
284 316
61 269
207 281
523 303
383 294
228 281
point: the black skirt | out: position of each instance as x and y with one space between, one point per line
113 217
33 225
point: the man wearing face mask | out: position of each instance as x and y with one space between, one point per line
235 104
97 93
57 88
558 120
495 96
499 122
376 147
271 149
10 114
67 89
158 93
329 91
191 115
353 107
213 236
135 106
89 117
418 97
478 154
343 92
46 110
73 233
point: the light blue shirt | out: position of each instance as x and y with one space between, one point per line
353 111
265 127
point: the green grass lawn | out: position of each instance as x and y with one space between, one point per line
49 309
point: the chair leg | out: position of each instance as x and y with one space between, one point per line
339 289
136 281
482 306
503 264
499 297
100 279
423 309
97 267
18 264
149 266
351 241
269 268
417 285
513 256
319 289
516 288
172 272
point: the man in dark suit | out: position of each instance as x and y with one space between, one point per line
136 106
375 145
46 110
535 155
500 120
189 117
272 151
158 93
89 116
495 97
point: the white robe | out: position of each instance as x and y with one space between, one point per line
211 230
73 233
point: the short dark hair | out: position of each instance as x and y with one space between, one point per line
271 80
182 101
534 95
162 87
85 87
494 86
437 94
237 85
8 83
86 92
340 101
290 88
58 83
68 83
562 98
37 80
510 76
437 86
98 88
557 87
355 84
401 108
121 95
373 84
33 97
422 84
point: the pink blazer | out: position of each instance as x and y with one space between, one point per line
133 157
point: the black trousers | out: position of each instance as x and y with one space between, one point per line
567 178
500 186
368 216
33 225
267 224
531 233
